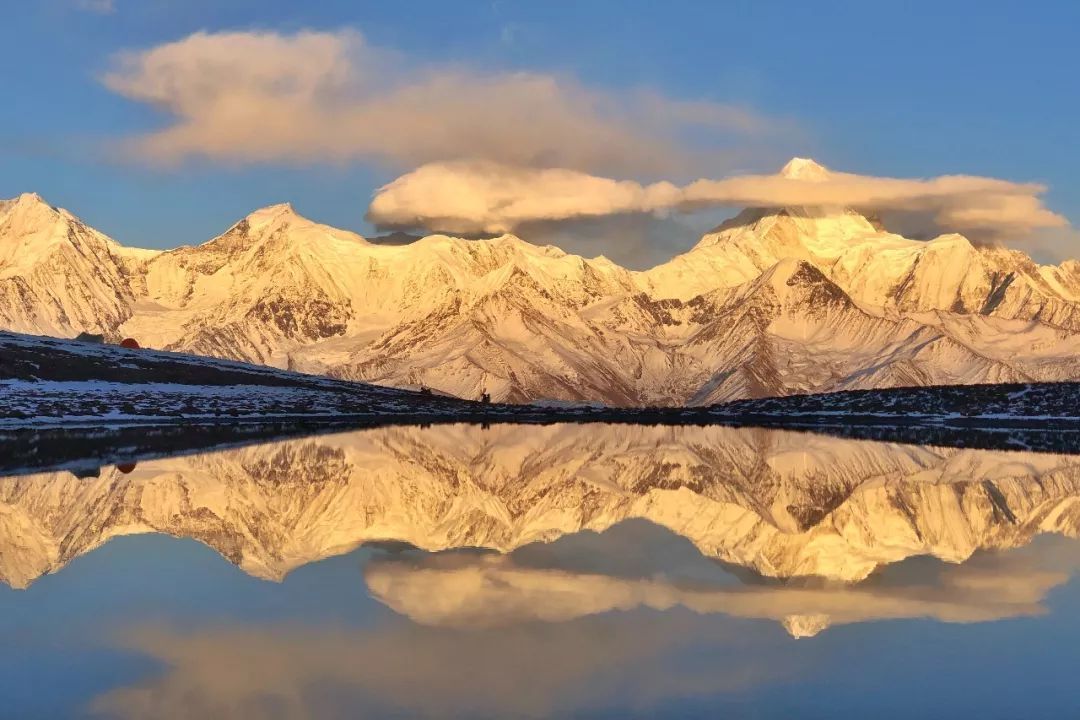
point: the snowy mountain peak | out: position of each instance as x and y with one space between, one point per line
804 169
775 301
791 278
802 626
274 210
271 213
951 239
28 199
784 270
28 208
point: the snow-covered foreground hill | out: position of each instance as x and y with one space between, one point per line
783 505
73 404
48 381
774 302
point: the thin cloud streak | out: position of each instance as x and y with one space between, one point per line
101 7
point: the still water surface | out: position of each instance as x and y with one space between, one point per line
567 571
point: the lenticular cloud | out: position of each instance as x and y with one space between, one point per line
487 197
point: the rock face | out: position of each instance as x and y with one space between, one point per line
781 504
774 302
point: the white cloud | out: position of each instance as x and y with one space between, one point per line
486 197
489 590
332 97
956 202
493 151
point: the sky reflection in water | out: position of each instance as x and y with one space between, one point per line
569 571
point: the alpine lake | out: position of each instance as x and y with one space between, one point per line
564 570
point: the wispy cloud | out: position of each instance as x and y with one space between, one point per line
1057 243
332 97
397 669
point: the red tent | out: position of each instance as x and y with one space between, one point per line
129 343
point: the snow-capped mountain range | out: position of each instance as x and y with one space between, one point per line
781 504
772 302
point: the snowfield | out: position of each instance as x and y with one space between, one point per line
49 381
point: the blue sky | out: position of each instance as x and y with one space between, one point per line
896 89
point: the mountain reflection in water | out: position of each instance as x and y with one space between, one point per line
571 568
